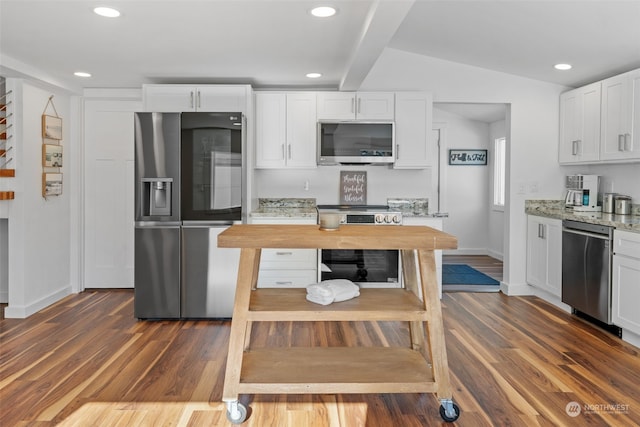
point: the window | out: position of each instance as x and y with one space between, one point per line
499 172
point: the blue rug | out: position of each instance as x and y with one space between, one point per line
461 277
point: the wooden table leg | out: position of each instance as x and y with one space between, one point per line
435 326
240 327
411 283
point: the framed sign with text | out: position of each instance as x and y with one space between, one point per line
467 157
353 187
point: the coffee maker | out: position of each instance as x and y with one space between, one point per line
582 193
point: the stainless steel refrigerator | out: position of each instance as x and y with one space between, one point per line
189 187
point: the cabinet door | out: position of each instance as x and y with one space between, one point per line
626 293
536 253
553 237
301 130
270 130
222 98
109 192
336 105
375 106
544 254
615 132
414 146
580 125
169 98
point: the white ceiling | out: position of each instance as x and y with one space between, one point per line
273 43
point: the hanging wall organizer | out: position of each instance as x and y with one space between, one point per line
51 151
6 147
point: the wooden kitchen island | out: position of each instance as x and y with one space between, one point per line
422 368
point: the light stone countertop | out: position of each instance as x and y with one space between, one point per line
285 208
555 209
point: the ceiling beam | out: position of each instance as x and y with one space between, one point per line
381 24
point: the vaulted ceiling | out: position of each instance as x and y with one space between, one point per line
274 43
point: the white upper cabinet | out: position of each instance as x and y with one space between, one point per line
413 127
600 122
206 98
620 96
580 124
285 130
355 106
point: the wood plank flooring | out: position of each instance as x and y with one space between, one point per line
516 361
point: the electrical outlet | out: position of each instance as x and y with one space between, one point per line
522 188
533 187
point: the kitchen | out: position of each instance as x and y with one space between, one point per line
60 250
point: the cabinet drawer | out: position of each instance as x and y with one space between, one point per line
287 278
289 259
626 243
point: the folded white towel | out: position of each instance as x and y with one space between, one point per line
321 290
337 290
342 289
319 300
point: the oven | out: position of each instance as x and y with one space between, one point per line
369 268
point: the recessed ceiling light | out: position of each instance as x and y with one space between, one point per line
107 12
562 67
314 75
323 11
81 74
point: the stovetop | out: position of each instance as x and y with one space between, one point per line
354 208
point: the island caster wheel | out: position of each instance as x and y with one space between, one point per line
449 411
236 412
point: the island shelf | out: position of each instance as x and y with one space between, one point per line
421 368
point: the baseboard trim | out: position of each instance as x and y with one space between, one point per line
630 337
22 312
511 289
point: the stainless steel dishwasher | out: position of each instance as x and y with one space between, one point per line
586 269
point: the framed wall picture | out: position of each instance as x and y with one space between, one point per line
51 127
51 156
51 184
353 187
467 157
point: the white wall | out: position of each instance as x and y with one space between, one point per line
532 137
39 229
382 183
466 188
4 261
616 178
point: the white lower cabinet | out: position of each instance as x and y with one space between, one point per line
287 268
544 254
625 310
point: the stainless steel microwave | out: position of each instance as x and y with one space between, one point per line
355 142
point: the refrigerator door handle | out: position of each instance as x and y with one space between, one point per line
157 224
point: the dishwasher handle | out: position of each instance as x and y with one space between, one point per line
586 233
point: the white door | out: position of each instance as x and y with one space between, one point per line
109 193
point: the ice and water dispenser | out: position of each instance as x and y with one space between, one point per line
156 196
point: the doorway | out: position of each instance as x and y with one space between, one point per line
466 193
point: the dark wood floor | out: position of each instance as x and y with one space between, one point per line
514 361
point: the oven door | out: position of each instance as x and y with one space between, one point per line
369 268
